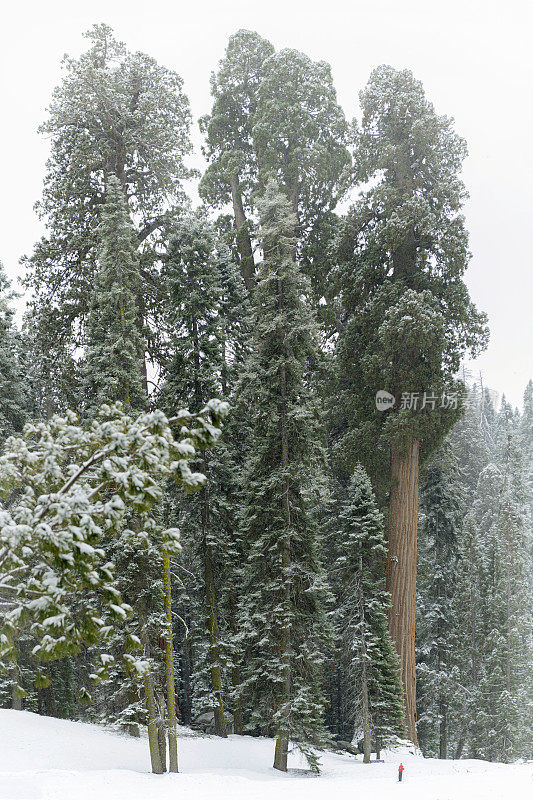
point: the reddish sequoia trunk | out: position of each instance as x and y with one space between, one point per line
401 569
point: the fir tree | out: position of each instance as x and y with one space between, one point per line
366 651
490 638
205 324
13 393
113 371
443 505
284 624
114 357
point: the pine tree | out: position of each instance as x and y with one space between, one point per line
284 623
366 651
61 587
406 315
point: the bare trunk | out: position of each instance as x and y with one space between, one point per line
212 621
153 740
169 668
214 650
161 729
151 708
282 736
238 725
244 243
16 699
364 673
401 570
443 728
367 749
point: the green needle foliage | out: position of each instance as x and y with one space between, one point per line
284 626
114 357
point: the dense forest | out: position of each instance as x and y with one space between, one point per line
245 485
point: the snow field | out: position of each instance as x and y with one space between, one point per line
42 758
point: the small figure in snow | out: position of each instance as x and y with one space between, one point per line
400 771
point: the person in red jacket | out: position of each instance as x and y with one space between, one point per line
400 771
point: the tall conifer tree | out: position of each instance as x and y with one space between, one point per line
443 505
284 623
120 113
366 651
13 393
205 324
114 356
407 315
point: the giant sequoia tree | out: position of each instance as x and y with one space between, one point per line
408 319
275 116
115 113
232 172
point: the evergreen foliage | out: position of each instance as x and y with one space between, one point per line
13 391
114 113
114 354
443 504
206 326
370 664
284 625
134 555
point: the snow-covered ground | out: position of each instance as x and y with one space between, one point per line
50 759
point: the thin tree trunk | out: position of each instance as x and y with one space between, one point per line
153 740
243 241
364 675
169 668
151 708
238 725
184 710
282 736
460 746
443 727
401 569
367 748
212 620
214 650
338 700
16 699
162 728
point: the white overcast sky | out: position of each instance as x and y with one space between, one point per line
473 57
